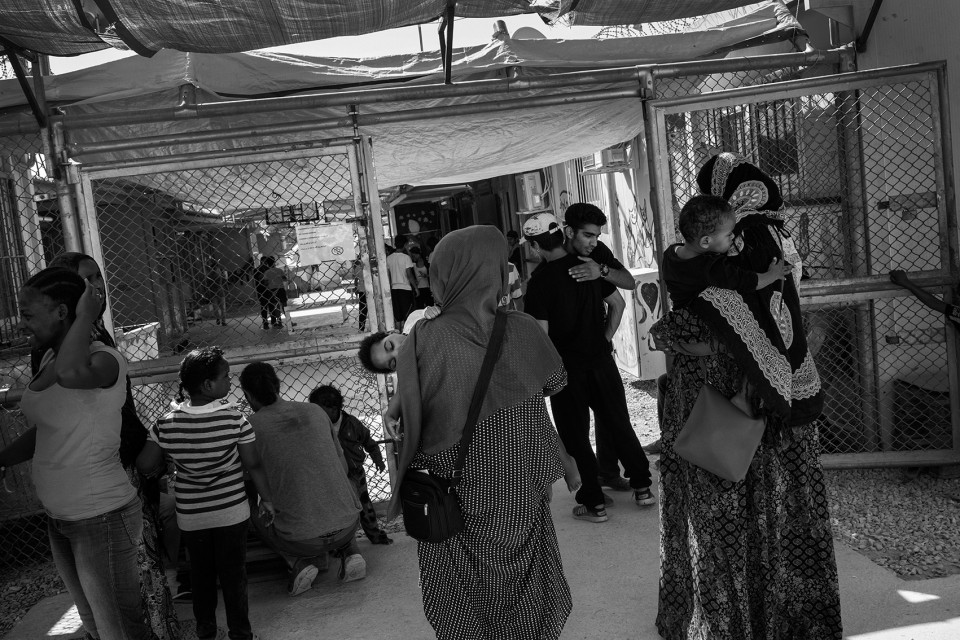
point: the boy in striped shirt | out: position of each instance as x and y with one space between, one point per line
210 444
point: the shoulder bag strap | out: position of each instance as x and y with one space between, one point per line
490 359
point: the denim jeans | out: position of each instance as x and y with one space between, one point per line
219 552
342 543
97 559
599 388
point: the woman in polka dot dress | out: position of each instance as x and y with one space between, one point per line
502 576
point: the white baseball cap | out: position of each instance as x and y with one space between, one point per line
539 224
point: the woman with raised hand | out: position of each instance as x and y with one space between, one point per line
73 407
160 533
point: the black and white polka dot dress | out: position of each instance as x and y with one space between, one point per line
502 577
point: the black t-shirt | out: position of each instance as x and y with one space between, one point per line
601 254
575 311
686 279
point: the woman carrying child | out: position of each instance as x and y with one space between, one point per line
751 560
211 444
502 576
73 406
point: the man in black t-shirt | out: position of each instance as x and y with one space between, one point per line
572 313
598 262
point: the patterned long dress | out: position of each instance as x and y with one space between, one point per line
154 591
501 578
751 560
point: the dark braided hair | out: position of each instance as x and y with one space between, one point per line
61 285
133 434
259 379
364 353
198 366
327 396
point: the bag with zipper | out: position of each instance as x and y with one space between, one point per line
430 505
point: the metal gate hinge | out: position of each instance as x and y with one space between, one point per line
647 84
71 170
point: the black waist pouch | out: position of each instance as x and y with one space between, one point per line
431 508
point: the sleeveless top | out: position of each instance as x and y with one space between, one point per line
76 465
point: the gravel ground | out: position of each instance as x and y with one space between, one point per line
22 588
905 520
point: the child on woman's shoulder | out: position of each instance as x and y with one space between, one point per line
210 444
706 223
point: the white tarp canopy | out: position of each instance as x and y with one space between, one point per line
437 149
62 27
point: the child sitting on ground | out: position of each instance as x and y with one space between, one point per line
378 354
210 445
356 442
700 262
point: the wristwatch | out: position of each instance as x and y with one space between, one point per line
604 270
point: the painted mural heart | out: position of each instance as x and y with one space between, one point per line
650 292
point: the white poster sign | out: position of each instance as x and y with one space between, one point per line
318 243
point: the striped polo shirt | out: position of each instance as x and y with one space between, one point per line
202 442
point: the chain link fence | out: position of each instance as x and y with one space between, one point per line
859 169
268 260
30 236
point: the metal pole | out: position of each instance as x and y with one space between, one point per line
803 86
173 161
79 149
90 227
57 162
952 255
507 86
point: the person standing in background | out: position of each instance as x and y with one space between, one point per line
263 294
216 290
580 319
513 248
600 264
360 287
273 282
421 268
403 281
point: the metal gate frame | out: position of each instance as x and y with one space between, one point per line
366 206
850 288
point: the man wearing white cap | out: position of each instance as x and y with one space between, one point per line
573 315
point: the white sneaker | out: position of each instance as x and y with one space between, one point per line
355 568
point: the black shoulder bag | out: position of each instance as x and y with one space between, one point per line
431 508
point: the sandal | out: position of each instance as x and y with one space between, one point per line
583 512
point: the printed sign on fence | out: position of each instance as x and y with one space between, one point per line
325 243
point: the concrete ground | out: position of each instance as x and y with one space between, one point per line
612 569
